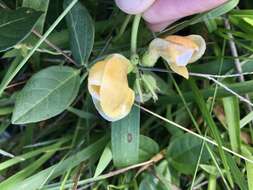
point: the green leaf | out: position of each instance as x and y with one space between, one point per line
39 6
125 139
16 25
232 114
11 75
82 32
148 148
46 94
184 152
104 161
162 172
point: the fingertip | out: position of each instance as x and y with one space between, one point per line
134 6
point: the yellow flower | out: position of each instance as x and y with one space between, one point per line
178 51
108 86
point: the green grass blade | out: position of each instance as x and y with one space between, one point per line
26 156
11 183
104 161
249 167
38 180
125 135
238 177
246 120
210 122
232 114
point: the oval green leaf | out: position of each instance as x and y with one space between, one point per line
148 148
81 31
16 25
184 153
46 94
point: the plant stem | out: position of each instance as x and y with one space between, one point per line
134 55
212 182
134 35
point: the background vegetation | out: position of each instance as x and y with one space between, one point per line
198 135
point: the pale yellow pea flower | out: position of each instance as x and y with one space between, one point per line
178 51
108 86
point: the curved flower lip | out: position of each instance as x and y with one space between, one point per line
108 86
179 51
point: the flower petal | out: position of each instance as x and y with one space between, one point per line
116 98
199 40
181 70
184 57
134 6
101 112
182 40
172 51
127 105
95 78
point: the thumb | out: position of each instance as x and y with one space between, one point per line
164 12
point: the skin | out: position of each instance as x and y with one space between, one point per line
161 13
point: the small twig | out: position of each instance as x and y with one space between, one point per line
110 174
55 47
155 159
77 176
16 84
233 49
123 170
220 76
200 185
235 54
195 74
243 99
